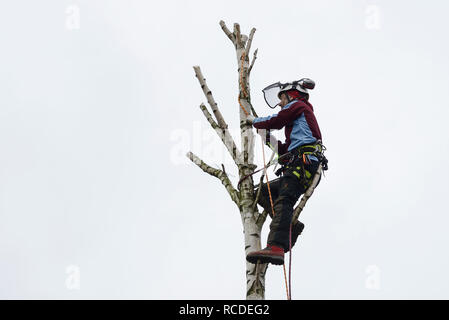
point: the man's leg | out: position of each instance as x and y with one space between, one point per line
264 201
290 190
289 193
291 187
264 198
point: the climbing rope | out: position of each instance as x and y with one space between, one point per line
272 210
290 262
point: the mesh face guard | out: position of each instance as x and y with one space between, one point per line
270 94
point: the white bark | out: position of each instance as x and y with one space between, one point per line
221 175
224 135
252 221
255 275
210 98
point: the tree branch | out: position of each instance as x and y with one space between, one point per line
224 135
307 194
230 35
210 98
238 36
223 177
250 41
252 62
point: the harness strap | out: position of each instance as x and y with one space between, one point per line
316 149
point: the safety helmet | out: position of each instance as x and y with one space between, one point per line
273 92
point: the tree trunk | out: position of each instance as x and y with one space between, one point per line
255 274
252 220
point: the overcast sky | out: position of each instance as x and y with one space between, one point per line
99 104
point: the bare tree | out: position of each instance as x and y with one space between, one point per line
244 196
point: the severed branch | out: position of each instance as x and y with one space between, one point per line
250 41
224 135
230 35
238 37
307 194
210 98
216 173
252 62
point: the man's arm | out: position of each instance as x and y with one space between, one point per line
278 121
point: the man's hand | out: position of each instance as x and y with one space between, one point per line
269 138
250 118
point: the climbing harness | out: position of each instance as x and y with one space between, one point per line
303 154
287 158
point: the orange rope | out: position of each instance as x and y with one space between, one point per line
286 285
272 210
241 106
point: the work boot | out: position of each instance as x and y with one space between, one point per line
297 228
271 254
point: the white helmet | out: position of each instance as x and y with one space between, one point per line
273 92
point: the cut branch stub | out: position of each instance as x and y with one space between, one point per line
250 40
238 36
230 35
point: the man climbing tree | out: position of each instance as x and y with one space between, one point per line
295 114
304 149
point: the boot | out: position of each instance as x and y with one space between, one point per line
297 228
271 254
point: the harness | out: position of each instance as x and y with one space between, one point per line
301 153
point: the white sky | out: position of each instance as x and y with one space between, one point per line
95 122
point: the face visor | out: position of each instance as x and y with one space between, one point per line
270 94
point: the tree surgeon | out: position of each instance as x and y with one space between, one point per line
304 153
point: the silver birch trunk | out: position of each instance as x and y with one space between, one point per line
244 199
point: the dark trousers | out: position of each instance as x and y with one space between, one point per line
285 192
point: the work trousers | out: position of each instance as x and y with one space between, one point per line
285 192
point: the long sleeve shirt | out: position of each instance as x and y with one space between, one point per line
301 126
